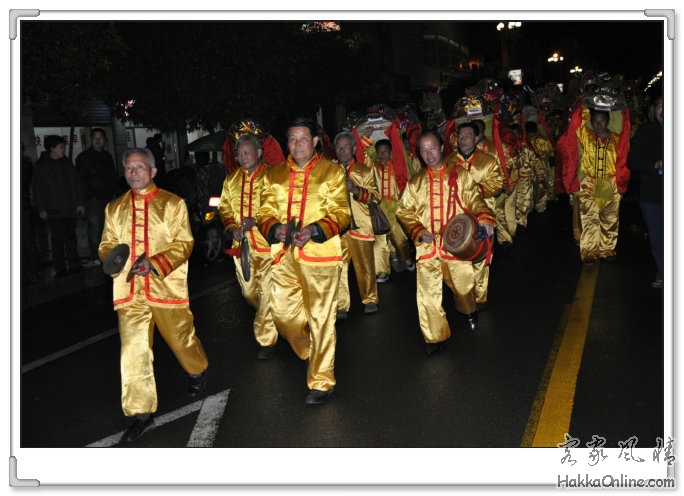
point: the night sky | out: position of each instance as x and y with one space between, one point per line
632 48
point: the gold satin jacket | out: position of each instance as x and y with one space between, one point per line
596 154
362 176
386 180
155 222
432 198
316 193
529 161
484 169
240 198
542 147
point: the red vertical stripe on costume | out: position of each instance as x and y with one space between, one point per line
622 173
398 156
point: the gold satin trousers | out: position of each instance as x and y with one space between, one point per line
599 229
304 308
431 274
360 254
257 292
136 329
550 186
525 196
505 210
576 218
385 244
481 270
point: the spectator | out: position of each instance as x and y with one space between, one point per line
646 159
99 178
58 198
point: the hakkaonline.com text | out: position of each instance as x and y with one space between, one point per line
621 481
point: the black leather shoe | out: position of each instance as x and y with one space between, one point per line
472 321
608 259
370 308
136 429
196 383
432 348
318 397
265 352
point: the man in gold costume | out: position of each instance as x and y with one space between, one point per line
394 246
304 208
543 148
239 204
602 179
357 242
506 202
486 172
530 170
152 222
430 200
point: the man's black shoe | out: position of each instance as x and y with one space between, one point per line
432 348
265 352
196 383
370 308
318 397
136 429
472 321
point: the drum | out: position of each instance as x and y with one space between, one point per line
459 239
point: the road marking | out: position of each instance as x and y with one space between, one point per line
535 412
104 335
66 351
556 411
203 434
207 424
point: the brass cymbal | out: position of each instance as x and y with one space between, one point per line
116 259
244 257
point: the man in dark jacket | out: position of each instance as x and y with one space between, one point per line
646 159
58 198
99 177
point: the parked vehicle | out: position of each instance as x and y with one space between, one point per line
201 189
210 240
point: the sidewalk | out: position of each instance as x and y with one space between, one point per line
49 288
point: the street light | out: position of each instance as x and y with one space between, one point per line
555 57
507 37
510 25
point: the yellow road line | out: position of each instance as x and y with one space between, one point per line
556 411
535 412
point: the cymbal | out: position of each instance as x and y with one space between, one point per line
135 265
116 259
244 258
293 228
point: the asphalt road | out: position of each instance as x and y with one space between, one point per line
484 390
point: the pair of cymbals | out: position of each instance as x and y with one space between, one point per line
293 228
117 258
